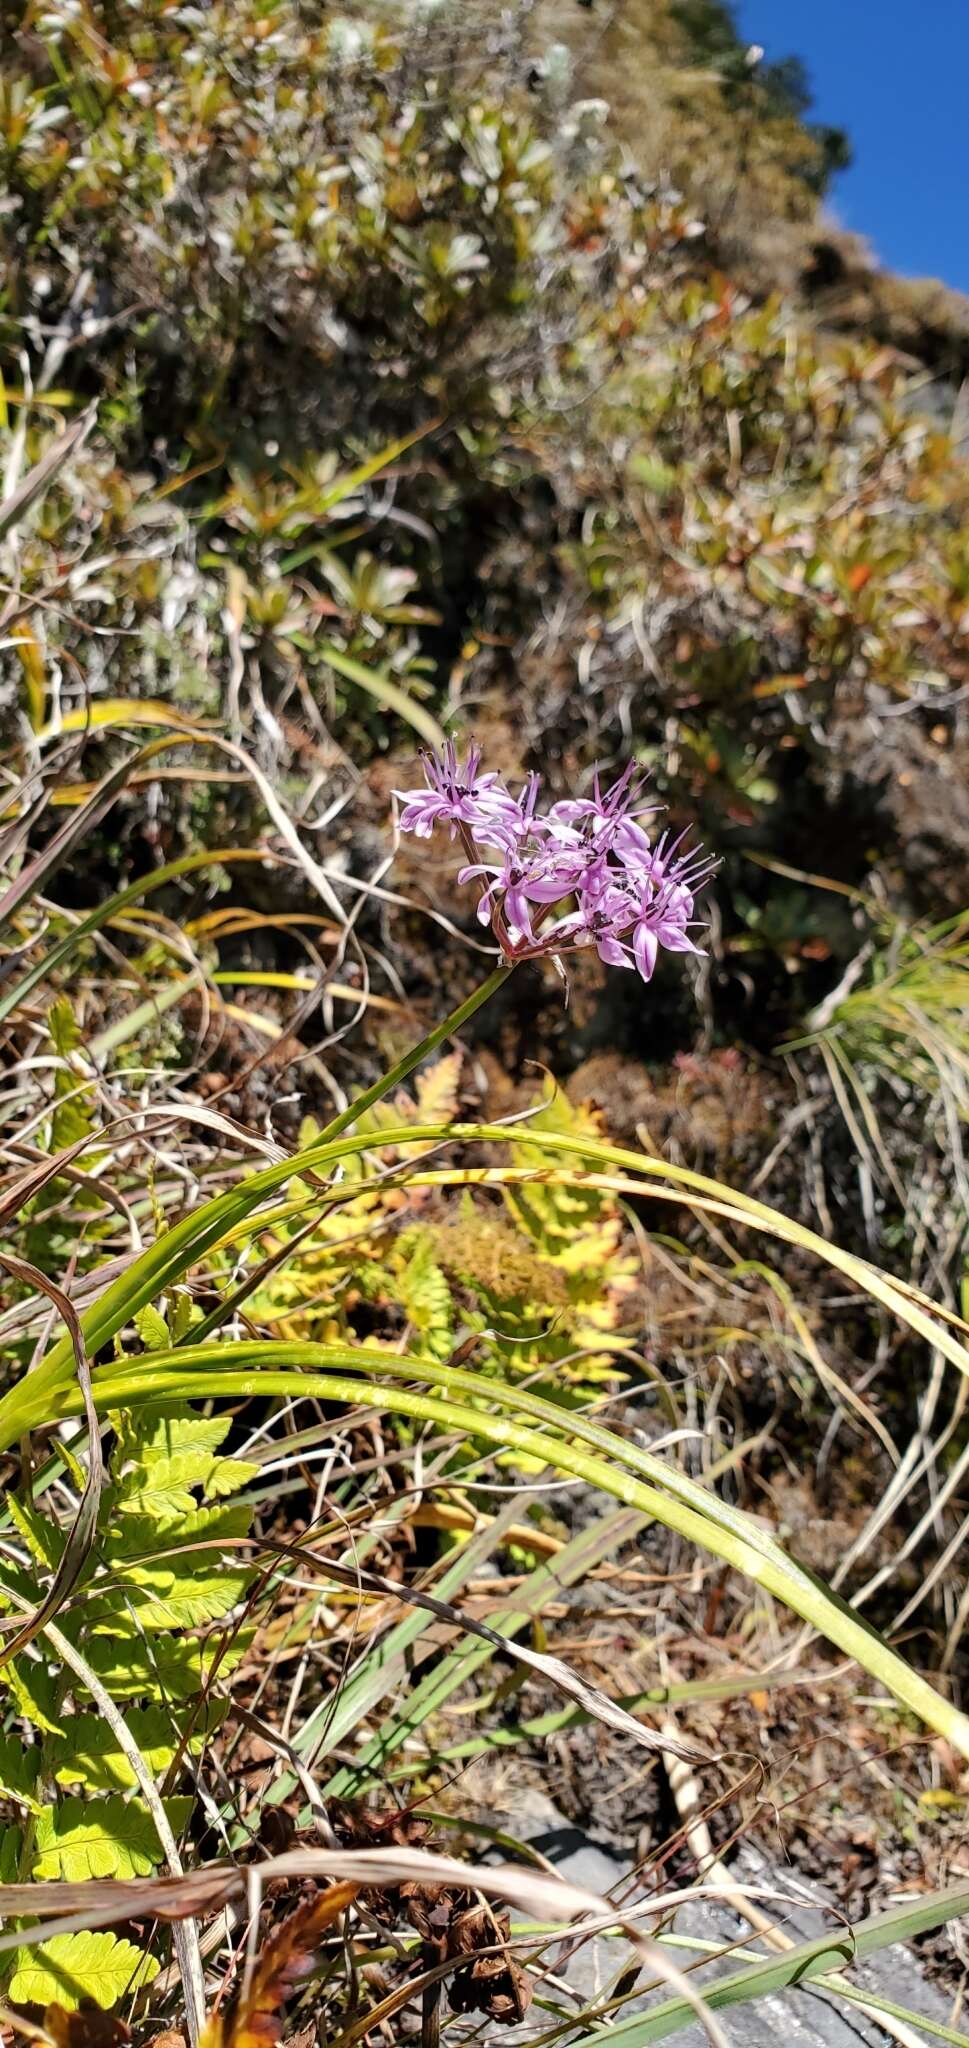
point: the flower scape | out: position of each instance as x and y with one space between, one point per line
583 873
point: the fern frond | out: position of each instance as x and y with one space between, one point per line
163 1667
437 1090
230 1475
44 1540
72 1967
18 1773
138 1536
33 1692
74 1101
151 1433
165 1460
109 1837
578 1230
423 1291
152 1328
155 1597
92 1756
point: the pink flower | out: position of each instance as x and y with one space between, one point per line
458 796
608 820
631 898
663 919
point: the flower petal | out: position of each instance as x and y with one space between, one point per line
645 950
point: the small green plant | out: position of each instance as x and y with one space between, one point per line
893 1037
903 1011
149 1661
355 368
118 1675
540 1274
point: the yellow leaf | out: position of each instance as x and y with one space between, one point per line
107 711
35 675
437 1090
70 1967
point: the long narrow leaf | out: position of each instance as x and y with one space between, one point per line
166 1261
806 1963
685 1692
387 693
38 873
384 1665
257 1370
674 1498
571 1565
104 714
40 478
56 955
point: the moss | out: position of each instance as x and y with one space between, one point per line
488 1254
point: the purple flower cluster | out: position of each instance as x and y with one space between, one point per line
582 873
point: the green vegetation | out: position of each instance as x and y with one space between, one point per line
147 1581
363 378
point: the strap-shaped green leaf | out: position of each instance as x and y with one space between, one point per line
560 1439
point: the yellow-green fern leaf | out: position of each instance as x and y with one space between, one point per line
170 1455
34 1693
43 1538
228 1475
160 1667
72 1967
18 1772
157 1597
93 1755
437 1090
112 1837
140 1538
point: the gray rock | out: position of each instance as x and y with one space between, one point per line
796 2018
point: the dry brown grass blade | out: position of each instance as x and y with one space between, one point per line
101 1902
17 832
26 1186
559 1674
81 1538
699 1841
43 473
594 1702
545 1898
37 873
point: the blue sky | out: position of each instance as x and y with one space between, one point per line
897 78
